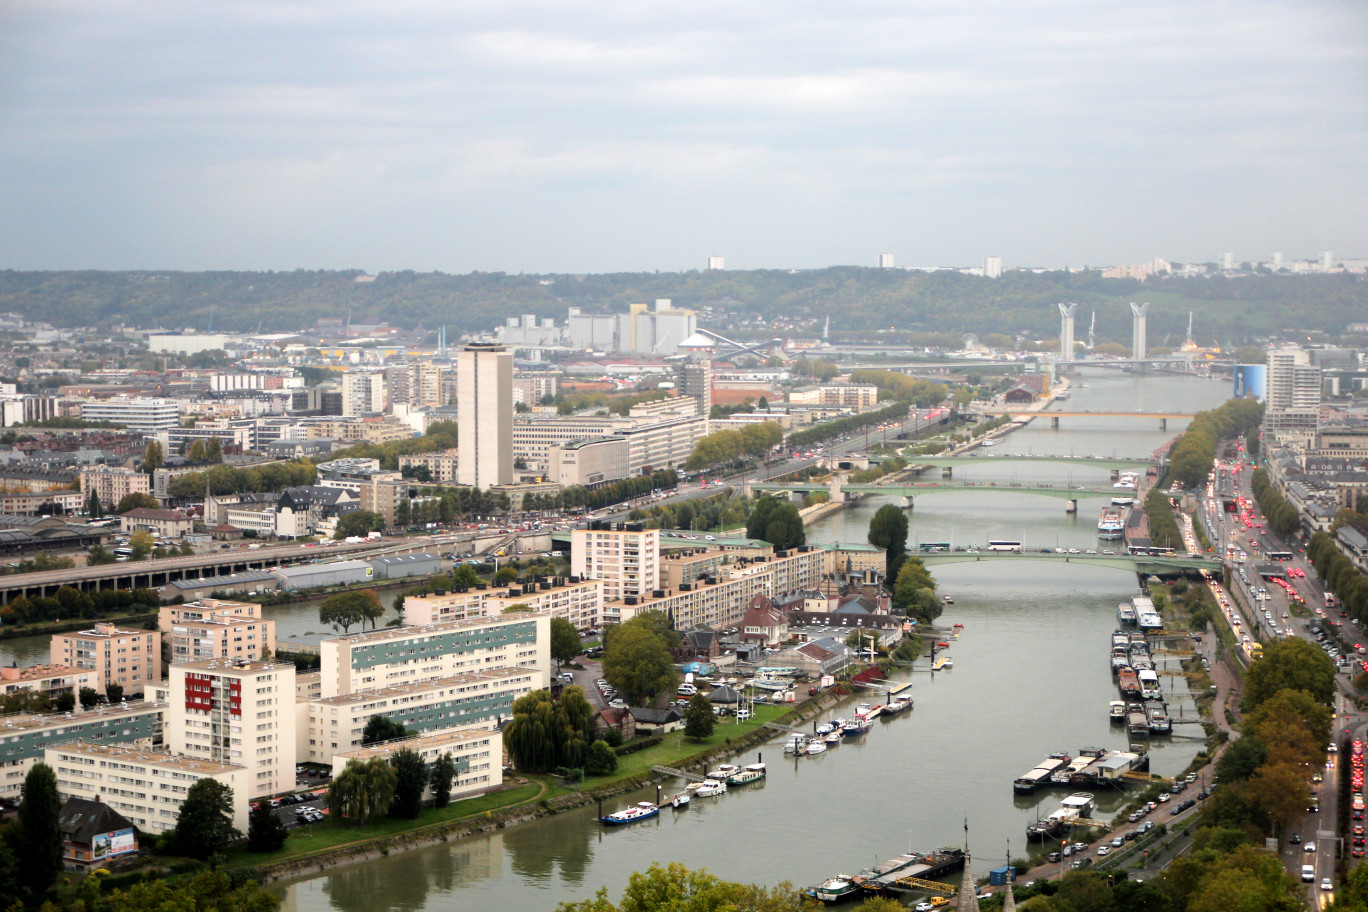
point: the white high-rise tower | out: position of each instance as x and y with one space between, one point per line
484 412
1138 348
1066 332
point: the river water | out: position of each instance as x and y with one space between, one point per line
1031 677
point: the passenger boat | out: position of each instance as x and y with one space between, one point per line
751 772
723 771
1111 524
1123 501
856 726
899 703
1125 613
641 811
708 788
834 890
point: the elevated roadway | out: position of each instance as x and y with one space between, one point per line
1063 492
1135 563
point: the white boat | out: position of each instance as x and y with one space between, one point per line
708 788
722 771
795 744
898 704
991 441
751 772
1118 711
640 811
816 746
680 802
1123 501
824 728
1111 524
770 684
833 737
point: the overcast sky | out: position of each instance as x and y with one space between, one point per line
602 135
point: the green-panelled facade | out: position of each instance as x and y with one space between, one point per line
428 645
22 744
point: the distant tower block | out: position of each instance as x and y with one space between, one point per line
992 267
1228 261
715 262
1138 348
1066 328
885 261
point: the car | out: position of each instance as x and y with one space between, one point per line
1118 842
1326 885
743 714
1068 851
1080 847
1164 797
1358 851
1103 850
1333 748
1054 857
1295 839
924 907
1146 826
1309 847
617 704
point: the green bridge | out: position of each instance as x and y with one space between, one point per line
989 459
1063 492
1136 563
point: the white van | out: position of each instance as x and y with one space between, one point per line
686 690
1308 873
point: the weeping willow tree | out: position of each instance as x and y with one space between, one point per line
547 733
362 791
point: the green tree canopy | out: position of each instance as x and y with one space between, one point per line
443 774
358 523
40 848
265 830
699 719
565 641
355 606
362 791
205 824
601 760
410 779
379 729
546 733
677 889
637 661
776 522
1289 664
888 530
136 501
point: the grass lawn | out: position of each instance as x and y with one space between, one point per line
330 834
676 747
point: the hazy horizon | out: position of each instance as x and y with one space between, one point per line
548 138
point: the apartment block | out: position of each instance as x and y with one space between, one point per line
146 786
24 736
404 655
839 395
625 556
484 404
588 462
441 463
335 724
112 484
215 629
442 606
141 413
240 713
579 601
49 680
129 658
476 752
720 601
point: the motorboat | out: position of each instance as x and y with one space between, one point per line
642 810
816 746
708 788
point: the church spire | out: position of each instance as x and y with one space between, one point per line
968 891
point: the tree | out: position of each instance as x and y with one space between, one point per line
379 729
265 831
362 791
637 661
197 452
10 884
358 523
40 849
89 697
888 530
136 501
565 641
505 575
601 760
214 452
114 693
1289 664
93 506
410 779
99 555
66 701
674 888
777 523
699 719
914 592
141 543
403 514
547 733
464 575
355 606
205 825
153 457
443 774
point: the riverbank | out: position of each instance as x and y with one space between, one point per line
60 626
526 801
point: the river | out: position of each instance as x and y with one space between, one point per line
1031 677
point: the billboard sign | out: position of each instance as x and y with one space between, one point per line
108 845
1251 380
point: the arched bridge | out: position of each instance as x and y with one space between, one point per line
1136 563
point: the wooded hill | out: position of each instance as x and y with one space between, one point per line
861 301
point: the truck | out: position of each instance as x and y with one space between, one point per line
373 536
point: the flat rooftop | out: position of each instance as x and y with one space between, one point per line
417 687
231 665
450 736
16 723
145 757
404 633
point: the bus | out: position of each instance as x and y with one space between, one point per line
994 545
929 547
1254 651
123 554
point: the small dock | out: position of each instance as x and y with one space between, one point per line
683 774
